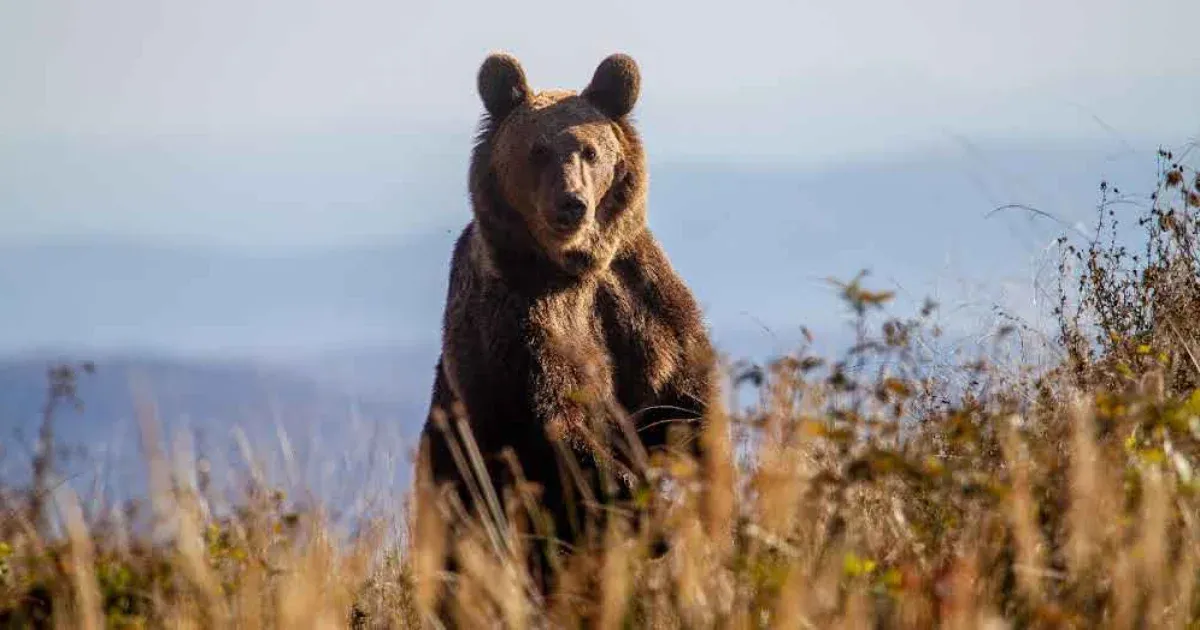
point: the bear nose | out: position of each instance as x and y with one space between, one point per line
571 209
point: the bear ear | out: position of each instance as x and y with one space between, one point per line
615 85
501 84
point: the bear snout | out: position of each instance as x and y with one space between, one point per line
570 212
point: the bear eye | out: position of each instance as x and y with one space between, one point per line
540 154
589 153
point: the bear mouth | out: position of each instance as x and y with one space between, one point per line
564 232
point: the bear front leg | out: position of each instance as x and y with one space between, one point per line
573 398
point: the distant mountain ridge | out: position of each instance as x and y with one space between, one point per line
332 432
109 294
756 244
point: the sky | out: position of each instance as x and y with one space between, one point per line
273 128
137 68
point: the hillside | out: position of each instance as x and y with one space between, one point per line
328 415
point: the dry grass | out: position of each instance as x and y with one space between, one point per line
868 491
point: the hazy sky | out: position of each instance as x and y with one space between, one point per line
137 67
256 121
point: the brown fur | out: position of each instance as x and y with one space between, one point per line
546 330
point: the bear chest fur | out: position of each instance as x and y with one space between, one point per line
614 333
609 337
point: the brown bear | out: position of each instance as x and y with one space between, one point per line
563 314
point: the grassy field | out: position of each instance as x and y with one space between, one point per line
888 487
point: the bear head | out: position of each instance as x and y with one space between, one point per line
559 175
